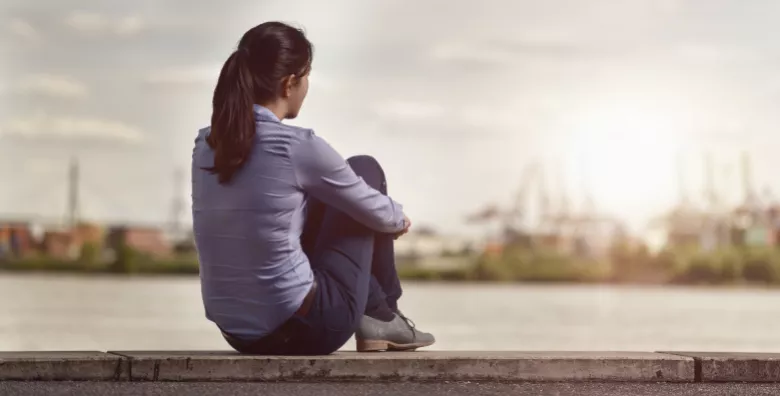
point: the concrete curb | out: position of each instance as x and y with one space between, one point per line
55 366
735 367
414 366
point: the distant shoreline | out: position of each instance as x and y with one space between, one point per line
413 280
729 267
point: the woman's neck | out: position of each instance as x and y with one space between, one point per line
278 108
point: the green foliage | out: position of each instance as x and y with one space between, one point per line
43 264
761 266
89 256
729 265
126 260
176 265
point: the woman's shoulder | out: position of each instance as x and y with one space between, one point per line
202 134
293 132
200 140
302 132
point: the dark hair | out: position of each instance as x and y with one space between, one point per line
252 75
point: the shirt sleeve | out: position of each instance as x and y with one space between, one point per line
323 173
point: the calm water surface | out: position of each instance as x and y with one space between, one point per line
56 312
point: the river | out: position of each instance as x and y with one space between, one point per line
59 312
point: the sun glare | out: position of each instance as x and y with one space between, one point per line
627 154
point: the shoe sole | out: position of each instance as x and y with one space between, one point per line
388 346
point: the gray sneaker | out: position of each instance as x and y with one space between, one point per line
399 334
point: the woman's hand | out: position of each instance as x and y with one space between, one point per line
407 224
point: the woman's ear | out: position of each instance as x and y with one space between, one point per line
287 85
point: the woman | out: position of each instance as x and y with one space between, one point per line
295 243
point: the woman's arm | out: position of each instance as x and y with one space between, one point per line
323 173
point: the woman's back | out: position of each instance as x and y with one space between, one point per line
252 176
253 270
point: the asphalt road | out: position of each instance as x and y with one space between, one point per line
384 389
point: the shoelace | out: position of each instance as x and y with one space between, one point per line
408 321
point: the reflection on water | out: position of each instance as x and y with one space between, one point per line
56 312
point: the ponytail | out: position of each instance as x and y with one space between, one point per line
252 75
232 119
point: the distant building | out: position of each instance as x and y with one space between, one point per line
493 249
430 250
66 244
16 239
61 245
88 233
428 244
146 240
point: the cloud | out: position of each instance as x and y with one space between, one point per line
22 28
43 126
130 25
505 52
185 75
87 21
324 82
53 86
96 23
544 52
429 120
718 53
409 110
41 165
495 117
425 114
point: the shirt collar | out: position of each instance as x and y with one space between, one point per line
263 114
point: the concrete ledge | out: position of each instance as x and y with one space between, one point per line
735 367
52 366
412 366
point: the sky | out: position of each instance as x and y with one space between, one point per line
454 99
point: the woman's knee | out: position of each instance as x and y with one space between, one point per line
369 169
364 163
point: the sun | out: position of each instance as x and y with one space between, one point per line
627 153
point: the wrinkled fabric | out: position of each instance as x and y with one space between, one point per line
254 273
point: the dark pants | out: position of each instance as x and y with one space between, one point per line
354 268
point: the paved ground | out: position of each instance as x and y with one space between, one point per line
370 389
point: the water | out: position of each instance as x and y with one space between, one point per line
56 312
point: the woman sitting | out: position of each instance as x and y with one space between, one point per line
295 243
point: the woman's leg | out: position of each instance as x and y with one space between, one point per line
384 271
383 327
341 252
385 288
358 283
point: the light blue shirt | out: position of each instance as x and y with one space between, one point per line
254 274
